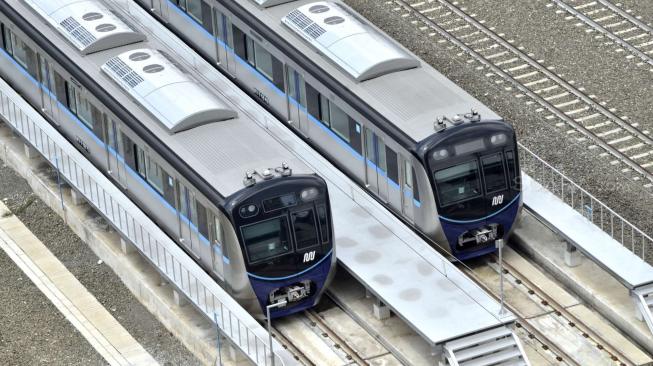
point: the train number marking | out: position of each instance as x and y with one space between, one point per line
309 256
497 200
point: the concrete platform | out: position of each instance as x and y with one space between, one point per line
596 287
187 324
70 297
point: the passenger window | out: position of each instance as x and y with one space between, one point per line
339 122
154 175
408 175
324 222
393 167
303 223
356 141
129 152
60 87
184 201
71 94
324 110
140 161
494 173
217 230
202 219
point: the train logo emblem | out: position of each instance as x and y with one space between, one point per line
497 200
309 256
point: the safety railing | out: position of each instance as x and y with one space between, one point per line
232 320
586 204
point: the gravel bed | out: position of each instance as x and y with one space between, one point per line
585 167
576 54
640 8
32 330
96 276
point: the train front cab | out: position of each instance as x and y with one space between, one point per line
285 233
474 170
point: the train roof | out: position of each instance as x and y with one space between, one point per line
220 151
411 95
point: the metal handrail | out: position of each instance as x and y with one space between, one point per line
597 212
157 247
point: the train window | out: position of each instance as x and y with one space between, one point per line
296 88
184 201
5 37
71 96
408 175
217 230
393 166
194 8
512 171
140 161
494 173
339 121
202 219
355 135
154 175
324 110
458 183
415 187
128 152
324 223
207 22
60 88
267 239
303 223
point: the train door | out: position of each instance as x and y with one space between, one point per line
225 52
407 190
48 101
296 100
376 169
116 162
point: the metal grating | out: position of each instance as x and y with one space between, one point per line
314 30
299 19
76 30
126 73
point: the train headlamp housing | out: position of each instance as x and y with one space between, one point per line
308 194
248 210
440 154
498 139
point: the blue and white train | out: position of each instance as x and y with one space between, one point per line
248 211
433 154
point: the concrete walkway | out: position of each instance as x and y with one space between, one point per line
72 299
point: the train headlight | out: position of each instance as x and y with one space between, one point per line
498 139
248 211
440 154
308 194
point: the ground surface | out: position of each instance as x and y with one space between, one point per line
32 331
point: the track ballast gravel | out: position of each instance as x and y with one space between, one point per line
23 329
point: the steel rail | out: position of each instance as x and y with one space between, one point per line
352 354
525 90
546 342
573 321
620 41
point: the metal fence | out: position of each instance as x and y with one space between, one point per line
586 204
163 253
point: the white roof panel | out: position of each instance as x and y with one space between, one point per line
269 3
165 90
88 25
354 46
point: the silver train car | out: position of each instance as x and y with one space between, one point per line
430 152
249 212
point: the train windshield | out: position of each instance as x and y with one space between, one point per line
495 176
305 228
267 239
458 183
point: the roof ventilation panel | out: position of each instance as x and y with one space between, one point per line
165 90
87 24
348 42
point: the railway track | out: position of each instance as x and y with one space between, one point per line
310 337
564 318
614 23
560 98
